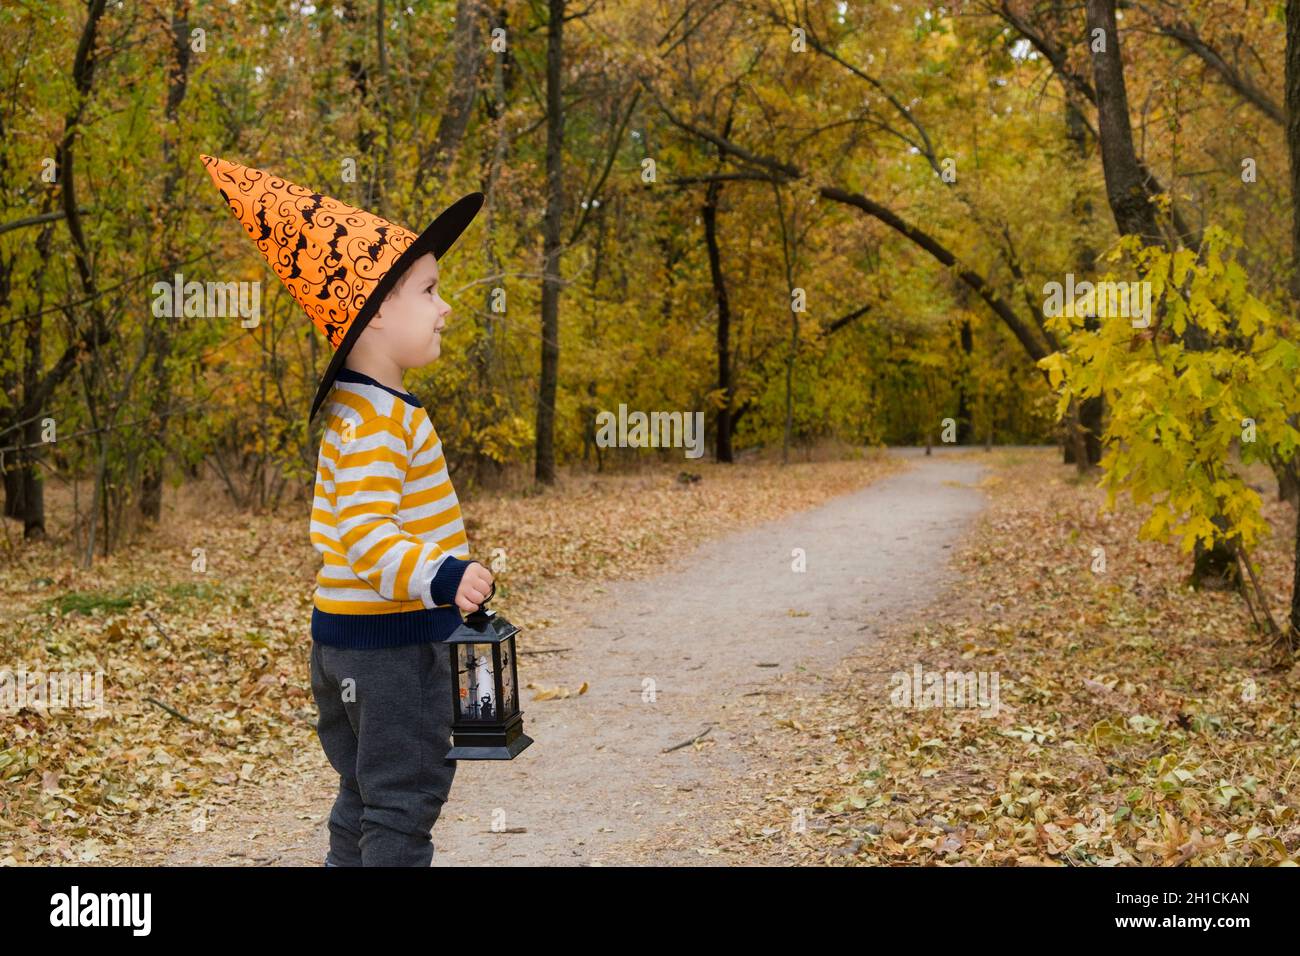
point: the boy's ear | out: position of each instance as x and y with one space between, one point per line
378 317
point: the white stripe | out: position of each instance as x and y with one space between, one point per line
416 485
374 469
422 433
376 396
328 530
444 503
368 595
426 456
448 528
381 531
382 438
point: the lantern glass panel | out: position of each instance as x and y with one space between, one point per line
508 704
467 678
477 686
464 652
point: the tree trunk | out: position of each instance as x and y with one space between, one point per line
1288 479
359 73
545 448
485 350
161 330
1125 183
965 428
30 485
24 487
470 50
1293 149
13 478
1293 132
1295 589
1091 411
725 421
33 493
83 75
789 243
1076 445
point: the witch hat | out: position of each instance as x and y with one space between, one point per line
336 260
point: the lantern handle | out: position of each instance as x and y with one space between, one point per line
482 607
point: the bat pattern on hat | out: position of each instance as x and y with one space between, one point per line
334 259
329 255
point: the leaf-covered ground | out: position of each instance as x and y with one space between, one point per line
1139 722
205 657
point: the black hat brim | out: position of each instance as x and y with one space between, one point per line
437 238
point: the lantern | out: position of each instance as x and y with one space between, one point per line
487 723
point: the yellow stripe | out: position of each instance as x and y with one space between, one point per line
356 402
353 583
358 459
323 541
365 607
451 541
414 499
424 471
380 508
367 563
373 489
421 525
405 571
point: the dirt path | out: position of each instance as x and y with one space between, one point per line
705 636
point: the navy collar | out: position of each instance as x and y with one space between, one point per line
346 374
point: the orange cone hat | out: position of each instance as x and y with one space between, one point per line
336 260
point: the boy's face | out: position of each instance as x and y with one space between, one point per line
413 315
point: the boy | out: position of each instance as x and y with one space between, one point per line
385 517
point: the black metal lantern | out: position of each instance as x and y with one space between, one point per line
487 723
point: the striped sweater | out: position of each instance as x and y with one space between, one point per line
386 521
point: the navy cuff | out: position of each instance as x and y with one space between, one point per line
446 582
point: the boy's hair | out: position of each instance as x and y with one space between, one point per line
397 286
401 281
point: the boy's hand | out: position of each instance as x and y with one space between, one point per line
474 587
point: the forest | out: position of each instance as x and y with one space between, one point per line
821 230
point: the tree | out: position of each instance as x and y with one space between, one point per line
1186 420
551 244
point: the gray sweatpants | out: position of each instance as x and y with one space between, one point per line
385 725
